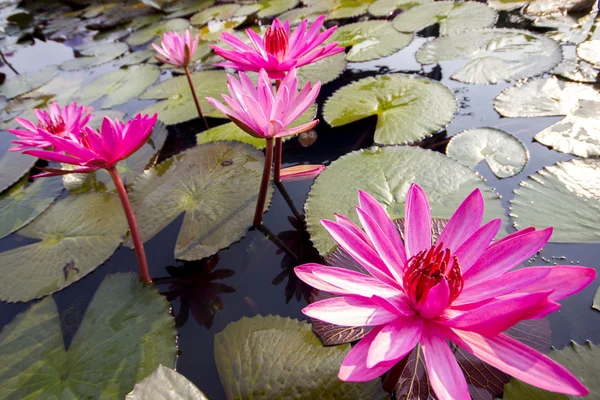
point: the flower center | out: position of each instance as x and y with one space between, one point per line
427 268
55 125
276 42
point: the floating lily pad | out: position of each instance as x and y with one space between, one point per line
387 173
370 40
22 204
495 54
505 154
94 56
217 13
275 358
177 103
382 8
590 51
126 334
215 185
213 30
129 169
76 235
566 196
119 86
297 15
577 71
16 86
450 15
165 384
596 303
134 58
399 102
230 131
157 29
13 165
98 116
568 29
325 70
188 8
544 7
266 8
340 9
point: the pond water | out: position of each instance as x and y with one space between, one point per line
253 276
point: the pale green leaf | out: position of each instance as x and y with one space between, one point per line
213 30
266 8
297 15
188 8
98 116
13 165
157 29
217 13
134 58
340 9
96 55
16 86
383 8
165 384
325 70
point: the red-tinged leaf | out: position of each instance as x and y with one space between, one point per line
333 335
534 333
413 383
485 382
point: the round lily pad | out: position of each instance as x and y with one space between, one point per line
21 204
408 107
16 86
119 86
166 384
325 70
493 55
157 29
297 15
77 234
370 40
275 358
134 58
387 173
452 16
126 333
96 55
266 8
383 8
340 9
13 165
564 195
505 154
590 51
215 185
213 30
217 13
177 103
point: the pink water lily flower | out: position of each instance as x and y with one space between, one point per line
262 114
56 121
176 48
280 50
462 287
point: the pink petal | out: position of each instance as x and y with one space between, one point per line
563 280
351 282
398 304
305 273
354 368
346 223
464 222
302 171
395 340
436 301
475 246
417 221
349 311
52 156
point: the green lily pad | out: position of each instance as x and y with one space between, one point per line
96 55
21 204
578 133
119 86
590 51
275 358
98 116
215 185
16 86
505 154
134 58
370 40
383 8
13 165
129 169
177 103
507 5
564 195
217 13
325 70
494 55
387 173
398 100
165 384
157 29
452 16
125 334
188 8
297 15
266 8
577 71
76 235
340 9
230 131
213 30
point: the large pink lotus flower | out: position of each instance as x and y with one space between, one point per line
56 122
461 288
263 114
279 51
176 48
93 149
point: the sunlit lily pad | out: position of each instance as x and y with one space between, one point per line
399 101
157 29
126 333
568 29
166 384
187 7
387 173
298 15
98 116
13 165
505 154
325 70
119 86
16 86
370 40
590 51
565 196
217 13
494 55
577 71
77 234
596 302
452 16
22 204
212 31
129 169
340 9
545 7
274 358
177 103
382 8
266 8
96 55
134 58
215 185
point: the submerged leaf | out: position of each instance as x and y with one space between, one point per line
165 384
96 55
382 8
398 101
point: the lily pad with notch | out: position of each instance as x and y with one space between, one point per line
96 55
165 384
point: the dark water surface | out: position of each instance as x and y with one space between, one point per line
257 278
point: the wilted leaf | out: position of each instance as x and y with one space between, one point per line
333 335
165 384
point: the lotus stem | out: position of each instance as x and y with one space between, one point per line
278 149
7 63
264 184
189 78
133 228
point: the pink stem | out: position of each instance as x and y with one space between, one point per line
264 184
189 78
